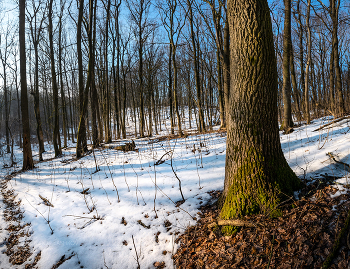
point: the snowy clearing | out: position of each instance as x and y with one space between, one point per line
112 209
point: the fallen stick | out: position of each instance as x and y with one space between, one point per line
330 123
232 222
345 165
46 201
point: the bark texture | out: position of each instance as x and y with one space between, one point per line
257 175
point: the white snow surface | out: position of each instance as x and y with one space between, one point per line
90 227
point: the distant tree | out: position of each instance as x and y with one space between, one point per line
173 20
56 131
308 63
257 176
139 11
196 60
6 42
36 28
27 150
81 147
287 47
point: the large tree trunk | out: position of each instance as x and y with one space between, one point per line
27 150
257 176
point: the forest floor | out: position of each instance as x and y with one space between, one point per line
116 209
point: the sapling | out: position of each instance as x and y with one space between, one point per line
104 190
47 221
124 174
194 154
67 180
137 255
111 175
137 186
155 185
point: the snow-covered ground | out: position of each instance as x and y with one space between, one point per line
129 213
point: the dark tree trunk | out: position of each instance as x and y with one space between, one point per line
56 132
81 147
27 150
307 75
170 89
334 9
257 176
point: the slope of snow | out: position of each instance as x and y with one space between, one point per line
129 211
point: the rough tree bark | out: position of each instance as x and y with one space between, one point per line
257 176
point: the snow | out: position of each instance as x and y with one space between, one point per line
89 226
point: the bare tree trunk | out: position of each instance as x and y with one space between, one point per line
27 150
81 147
287 45
334 7
226 66
108 136
56 132
296 92
257 176
63 98
306 93
201 126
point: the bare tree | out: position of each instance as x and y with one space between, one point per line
36 28
27 150
56 131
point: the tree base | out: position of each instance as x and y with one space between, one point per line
255 191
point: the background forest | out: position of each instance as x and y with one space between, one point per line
153 60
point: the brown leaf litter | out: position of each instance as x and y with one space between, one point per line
302 238
17 243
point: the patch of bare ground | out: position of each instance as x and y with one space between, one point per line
312 233
17 243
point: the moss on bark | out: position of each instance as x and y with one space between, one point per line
259 186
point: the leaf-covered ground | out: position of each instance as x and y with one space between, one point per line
302 238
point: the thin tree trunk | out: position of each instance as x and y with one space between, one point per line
27 150
56 131
306 93
287 45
